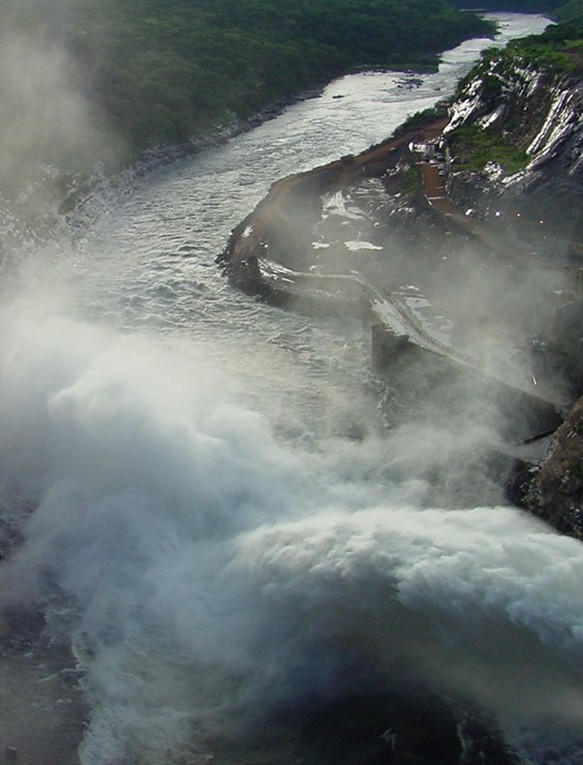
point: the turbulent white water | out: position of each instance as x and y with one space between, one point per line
209 510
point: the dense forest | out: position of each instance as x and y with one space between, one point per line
570 12
89 84
559 48
518 6
161 71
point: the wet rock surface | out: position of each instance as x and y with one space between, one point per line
553 489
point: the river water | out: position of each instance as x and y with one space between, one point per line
207 509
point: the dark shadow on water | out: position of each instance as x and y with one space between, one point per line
373 728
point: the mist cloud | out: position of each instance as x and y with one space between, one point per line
49 133
204 573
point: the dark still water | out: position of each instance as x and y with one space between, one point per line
220 550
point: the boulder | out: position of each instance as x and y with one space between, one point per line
553 490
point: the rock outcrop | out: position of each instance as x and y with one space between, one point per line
540 113
553 490
539 207
496 250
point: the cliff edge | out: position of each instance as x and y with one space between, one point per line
515 151
459 239
553 489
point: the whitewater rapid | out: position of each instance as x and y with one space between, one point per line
203 502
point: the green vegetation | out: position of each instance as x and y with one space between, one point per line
412 180
161 71
559 49
572 12
422 118
519 6
474 147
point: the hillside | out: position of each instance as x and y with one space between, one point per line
89 86
514 138
479 205
515 154
510 177
163 70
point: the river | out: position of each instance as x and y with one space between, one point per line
209 520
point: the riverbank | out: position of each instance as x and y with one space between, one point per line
389 204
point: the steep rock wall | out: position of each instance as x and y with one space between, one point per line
553 490
540 113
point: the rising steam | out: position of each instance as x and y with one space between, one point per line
51 139
199 568
204 573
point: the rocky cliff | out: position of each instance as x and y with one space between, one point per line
520 108
553 489
479 210
515 160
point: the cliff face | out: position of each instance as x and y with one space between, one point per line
532 107
540 206
553 490
493 248
533 111
516 113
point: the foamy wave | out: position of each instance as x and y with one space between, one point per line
200 569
